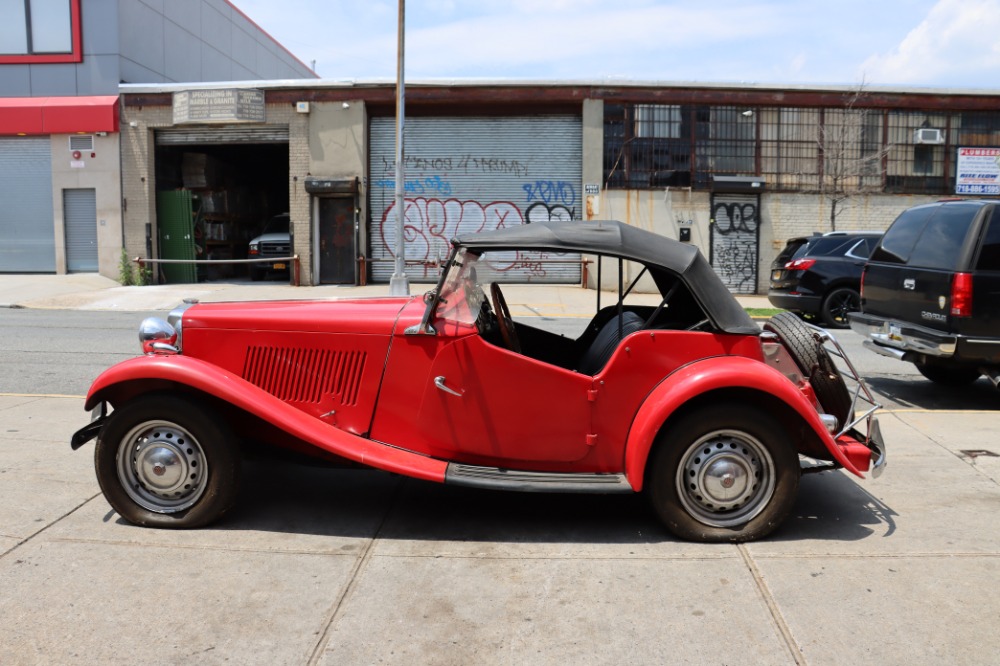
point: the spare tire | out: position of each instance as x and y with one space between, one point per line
815 364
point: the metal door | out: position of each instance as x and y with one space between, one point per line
176 226
26 220
80 219
337 248
735 240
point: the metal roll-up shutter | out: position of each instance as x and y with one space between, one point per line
80 217
27 236
735 240
221 135
470 174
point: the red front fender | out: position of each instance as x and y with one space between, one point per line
722 372
210 379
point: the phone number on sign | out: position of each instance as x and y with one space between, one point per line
977 189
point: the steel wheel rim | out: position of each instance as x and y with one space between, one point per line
162 467
726 478
841 306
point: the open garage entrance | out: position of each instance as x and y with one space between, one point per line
216 189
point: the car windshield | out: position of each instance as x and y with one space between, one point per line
462 294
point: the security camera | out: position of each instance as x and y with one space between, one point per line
748 113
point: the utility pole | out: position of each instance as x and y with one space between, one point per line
399 285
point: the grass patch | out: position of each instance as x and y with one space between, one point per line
763 312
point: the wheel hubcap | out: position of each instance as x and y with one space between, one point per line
162 467
725 478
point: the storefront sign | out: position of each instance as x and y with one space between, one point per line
220 105
978 171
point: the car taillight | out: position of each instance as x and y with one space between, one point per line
861 289
800 264
961 295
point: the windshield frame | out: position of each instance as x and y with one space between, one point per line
458 298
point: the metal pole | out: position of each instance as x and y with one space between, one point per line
399 285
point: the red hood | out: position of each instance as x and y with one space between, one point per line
371 316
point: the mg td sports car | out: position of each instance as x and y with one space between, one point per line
683 398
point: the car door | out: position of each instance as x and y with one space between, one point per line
483 404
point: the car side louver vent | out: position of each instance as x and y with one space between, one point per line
306 375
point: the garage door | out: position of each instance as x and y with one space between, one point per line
27 236
80 214
470 174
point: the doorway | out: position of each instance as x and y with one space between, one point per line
337 244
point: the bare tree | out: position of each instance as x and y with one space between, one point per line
852 150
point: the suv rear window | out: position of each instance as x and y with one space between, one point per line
928 236
902 235
941 242
989 254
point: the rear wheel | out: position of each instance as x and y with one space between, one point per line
814 362
837 304
948 375
164 461
723 473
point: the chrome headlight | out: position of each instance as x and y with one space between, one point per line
157 337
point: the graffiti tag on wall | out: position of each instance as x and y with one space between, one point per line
734 244
430 224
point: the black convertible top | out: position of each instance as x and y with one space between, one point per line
615 239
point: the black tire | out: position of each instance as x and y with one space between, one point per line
732 444
815 363
837 304
257 274
948 375
177 443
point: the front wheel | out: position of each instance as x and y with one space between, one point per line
164 461
723 473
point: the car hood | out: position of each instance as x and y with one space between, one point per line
357 315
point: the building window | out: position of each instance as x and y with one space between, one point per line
39 31
923 160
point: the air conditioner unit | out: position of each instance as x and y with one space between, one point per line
927 135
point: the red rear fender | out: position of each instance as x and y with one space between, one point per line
715 374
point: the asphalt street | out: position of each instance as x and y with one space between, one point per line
320 566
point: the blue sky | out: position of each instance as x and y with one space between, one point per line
921 43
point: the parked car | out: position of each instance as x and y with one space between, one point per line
274 243
820 275
930 291
687 401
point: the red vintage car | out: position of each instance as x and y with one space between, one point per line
686 400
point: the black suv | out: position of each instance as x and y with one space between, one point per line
820 275
931 291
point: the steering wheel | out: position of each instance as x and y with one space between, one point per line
504 321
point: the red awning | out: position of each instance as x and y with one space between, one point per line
58 115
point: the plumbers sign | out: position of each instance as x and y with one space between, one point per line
978 171
219 105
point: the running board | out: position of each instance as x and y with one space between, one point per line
535 482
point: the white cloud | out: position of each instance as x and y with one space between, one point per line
956 45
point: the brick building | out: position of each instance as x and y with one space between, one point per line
735 170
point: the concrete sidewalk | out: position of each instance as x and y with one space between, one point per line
94 292
360 567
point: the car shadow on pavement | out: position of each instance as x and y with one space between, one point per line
922 393
290 498
833 507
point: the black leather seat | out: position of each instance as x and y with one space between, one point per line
607 340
